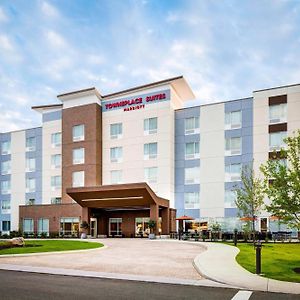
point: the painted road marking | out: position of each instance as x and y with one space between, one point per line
242 295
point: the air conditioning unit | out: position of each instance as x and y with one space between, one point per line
78 161
115 160
235 126
235 177
31 148
78 138
5 152
235 152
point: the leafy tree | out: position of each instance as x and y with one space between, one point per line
250 196
283 183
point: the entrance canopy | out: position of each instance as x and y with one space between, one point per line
117 196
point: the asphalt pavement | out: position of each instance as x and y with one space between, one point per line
23 285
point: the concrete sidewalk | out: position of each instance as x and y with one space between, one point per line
218 263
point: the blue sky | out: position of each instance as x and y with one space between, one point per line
225 49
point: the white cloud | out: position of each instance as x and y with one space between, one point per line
95 59
5 43
49 10
55 39
3 16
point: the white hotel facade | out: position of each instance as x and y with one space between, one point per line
90 143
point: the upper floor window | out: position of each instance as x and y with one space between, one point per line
6 167
78 179
276 140
116 154
277 113
150 174
5 206
78 133
116 131
5 147
233 172
5 187
55 182
78 156
192 175
30 164
30 143
233 146
191 200
150 150
56 139
150 125
230 198
233 119
116 176
191 125
192 150
30 201
55 161
30 185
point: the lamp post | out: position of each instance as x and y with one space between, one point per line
258 257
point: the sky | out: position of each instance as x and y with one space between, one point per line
224 49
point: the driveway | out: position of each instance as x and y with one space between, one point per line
124 256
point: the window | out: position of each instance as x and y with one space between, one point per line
277 113
28 226
78 133
30 144
191 125
192 175
116 154
43 226
56 200
233 146
30 164
151 174
78 179
150 126
5 226
230 197
5 206
233 172
115 226
78 156
276 140
191 200
116 176
56 161
30 185
5 187
56 139
55 183
6 167
5 148
30 201
192 150
233 120
150 150
116 131
69 226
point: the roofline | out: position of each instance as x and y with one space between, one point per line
18 130
214 103
46 106
143 86
277 87
79 91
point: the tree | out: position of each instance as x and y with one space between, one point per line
250 196
282 177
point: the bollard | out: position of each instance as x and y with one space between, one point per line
235 237
258 257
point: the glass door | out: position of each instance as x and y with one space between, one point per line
115 226
93 227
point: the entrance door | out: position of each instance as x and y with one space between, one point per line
115 227
263 224
93 227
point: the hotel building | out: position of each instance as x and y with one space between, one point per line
118 160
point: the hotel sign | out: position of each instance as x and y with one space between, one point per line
136 102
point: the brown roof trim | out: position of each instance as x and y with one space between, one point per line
46 106
277 87
77 92
143 86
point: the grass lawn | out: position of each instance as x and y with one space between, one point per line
277 260
49 246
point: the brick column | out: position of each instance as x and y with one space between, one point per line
154 214
165 215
